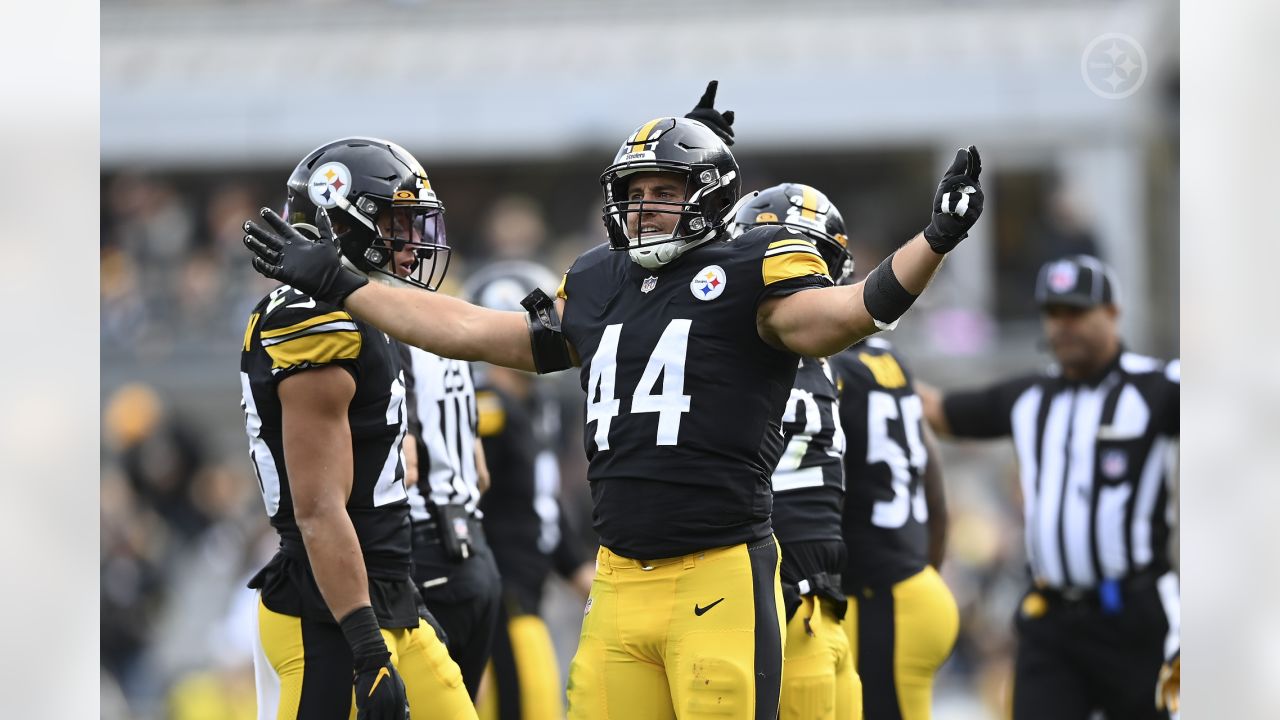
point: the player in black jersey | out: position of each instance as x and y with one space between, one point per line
519 424
688 346
818 676
904 620
323 396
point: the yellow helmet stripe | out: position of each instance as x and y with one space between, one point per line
809 204
643 134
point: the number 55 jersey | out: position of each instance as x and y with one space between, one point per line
684 399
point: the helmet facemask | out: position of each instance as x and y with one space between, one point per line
710 187
394 242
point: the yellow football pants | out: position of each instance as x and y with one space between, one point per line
531 685
698 636
304 671
818 677
900 636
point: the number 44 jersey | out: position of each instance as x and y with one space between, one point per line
885 457
684 399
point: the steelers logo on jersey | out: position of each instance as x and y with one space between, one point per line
329 182
709 283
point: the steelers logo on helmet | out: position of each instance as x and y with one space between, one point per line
708 283
329 182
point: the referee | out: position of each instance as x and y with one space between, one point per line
1092 435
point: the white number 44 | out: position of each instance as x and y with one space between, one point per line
667 362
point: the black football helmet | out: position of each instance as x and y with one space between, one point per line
378 201
807 211
712 187
502 285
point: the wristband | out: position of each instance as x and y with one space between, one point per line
360 627
884 297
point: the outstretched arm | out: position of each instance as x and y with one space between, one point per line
445 325
437 323
824 321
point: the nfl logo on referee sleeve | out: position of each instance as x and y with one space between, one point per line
709 283
1114 464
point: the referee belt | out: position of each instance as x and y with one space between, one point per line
1129 585
428 532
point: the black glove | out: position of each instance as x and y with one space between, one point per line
958 202
380 693
721 123
284 254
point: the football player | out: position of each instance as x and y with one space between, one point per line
903 620
818 676
519 421
688 347
324 407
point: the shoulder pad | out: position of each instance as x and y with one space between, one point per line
296 330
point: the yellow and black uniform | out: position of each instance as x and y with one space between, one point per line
818 676
303 664
530 537
682 435
904 620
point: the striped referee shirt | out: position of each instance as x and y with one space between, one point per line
442 419
1094 463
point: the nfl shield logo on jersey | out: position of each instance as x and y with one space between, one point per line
709 283
649 283
1114 463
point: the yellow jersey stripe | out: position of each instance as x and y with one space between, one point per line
808 204
248 329
777 268
643 134
315 320
318 349
560 292
788 242
492 417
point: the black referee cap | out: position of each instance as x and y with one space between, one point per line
1077 280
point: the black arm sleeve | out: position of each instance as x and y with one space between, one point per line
983 413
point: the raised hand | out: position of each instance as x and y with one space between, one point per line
958 202
283 253
721 123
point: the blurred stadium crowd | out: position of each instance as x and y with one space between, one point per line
182 525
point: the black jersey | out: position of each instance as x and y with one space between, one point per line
290 332
808 482
522 514
885 511
684 399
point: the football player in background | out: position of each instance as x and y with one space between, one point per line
818 676
324 407
519 421
903 619
688 346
